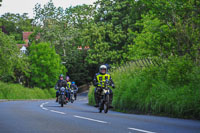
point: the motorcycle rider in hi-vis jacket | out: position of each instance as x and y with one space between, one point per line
102 76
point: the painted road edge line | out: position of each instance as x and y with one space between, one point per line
90 119
140 130
57 112
43 105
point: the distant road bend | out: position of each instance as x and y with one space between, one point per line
48 117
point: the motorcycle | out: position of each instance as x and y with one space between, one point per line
72 97
62 96
104 97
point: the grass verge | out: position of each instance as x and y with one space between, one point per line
17 91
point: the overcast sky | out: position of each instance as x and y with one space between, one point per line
26 6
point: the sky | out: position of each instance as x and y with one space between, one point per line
26 6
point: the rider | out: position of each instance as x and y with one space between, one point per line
75 88
102 76
60 83
68 85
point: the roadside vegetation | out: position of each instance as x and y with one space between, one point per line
171 89
16 92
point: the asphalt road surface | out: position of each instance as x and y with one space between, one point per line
46 116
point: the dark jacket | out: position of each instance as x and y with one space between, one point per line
74 87
60 83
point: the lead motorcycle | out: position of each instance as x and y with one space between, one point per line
104 96
62 96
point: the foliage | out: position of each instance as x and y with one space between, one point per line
15 24
13 65
62 28
45 65
168 28
170 89
16 92
8 55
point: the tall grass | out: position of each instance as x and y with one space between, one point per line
91 95
171 89
16 91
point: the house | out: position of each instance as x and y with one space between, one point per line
23 47
25 36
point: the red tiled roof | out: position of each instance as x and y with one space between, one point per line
26 35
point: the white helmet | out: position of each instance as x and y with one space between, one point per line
102 67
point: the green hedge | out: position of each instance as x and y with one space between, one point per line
171 89
16 91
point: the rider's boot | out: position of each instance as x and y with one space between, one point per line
56 99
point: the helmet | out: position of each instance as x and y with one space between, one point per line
61 76
67 78
101 68
73 83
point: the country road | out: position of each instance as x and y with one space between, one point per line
46 116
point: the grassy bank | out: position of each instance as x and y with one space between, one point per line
16 91
171 89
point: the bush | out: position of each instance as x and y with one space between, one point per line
16 91
171 89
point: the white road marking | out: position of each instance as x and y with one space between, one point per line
43 105
57 112
44 108
140 130
82 99
90 119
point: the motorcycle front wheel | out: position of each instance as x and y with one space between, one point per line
106 104
101 106
62 100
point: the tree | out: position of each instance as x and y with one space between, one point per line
15 24
8 55
14 66
167 28
64 29
45 65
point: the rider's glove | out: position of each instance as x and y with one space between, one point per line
113 86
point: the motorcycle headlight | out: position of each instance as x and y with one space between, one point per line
62 88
